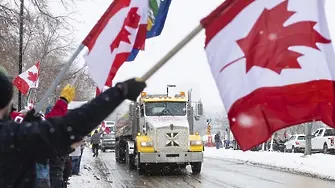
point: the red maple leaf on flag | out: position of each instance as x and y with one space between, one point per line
267 44
132 20
32 76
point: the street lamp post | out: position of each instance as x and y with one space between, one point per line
19 103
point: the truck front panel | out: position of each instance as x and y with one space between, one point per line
172 140
162 157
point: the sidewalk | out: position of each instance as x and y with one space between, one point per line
90 175
317 165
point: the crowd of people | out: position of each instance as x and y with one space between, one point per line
44 150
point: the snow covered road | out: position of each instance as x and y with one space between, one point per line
216 173
317 165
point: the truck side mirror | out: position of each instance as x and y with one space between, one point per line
138 112
131 106
199 109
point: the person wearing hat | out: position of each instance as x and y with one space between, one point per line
22 144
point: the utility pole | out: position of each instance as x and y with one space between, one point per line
308 133
228 137
19 103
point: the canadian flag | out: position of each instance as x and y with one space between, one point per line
122 28
28 79
105 128
273 63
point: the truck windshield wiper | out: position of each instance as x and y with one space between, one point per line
164 112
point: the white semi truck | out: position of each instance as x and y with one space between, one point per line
158 132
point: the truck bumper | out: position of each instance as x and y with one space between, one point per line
182 157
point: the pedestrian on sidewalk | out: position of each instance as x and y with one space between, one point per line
57 163
75 155
82 147
217 139
95 141
42 164
43 175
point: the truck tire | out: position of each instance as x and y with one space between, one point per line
182 166
140 169
129 160
196 167
117 152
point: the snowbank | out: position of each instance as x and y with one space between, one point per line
317 165
90 176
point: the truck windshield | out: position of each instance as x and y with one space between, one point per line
165 109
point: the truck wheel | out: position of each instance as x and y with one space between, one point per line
325 148
129 160
117 152
140 169
196 167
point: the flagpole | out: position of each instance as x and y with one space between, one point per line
172 52
21 33
29 96
76 78
60 75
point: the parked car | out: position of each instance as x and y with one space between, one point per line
323 140
257 148
296 143
278 145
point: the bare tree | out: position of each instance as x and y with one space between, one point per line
47 38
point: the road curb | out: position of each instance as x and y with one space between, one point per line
278 168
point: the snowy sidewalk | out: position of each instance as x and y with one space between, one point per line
318 165
90 175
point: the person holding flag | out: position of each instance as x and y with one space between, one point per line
22 144
50 171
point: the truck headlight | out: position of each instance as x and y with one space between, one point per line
147 144
195 142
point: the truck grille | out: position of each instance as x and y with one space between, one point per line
172 140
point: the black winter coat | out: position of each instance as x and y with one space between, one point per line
57 165
21 145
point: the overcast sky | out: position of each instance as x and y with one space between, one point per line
189 68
